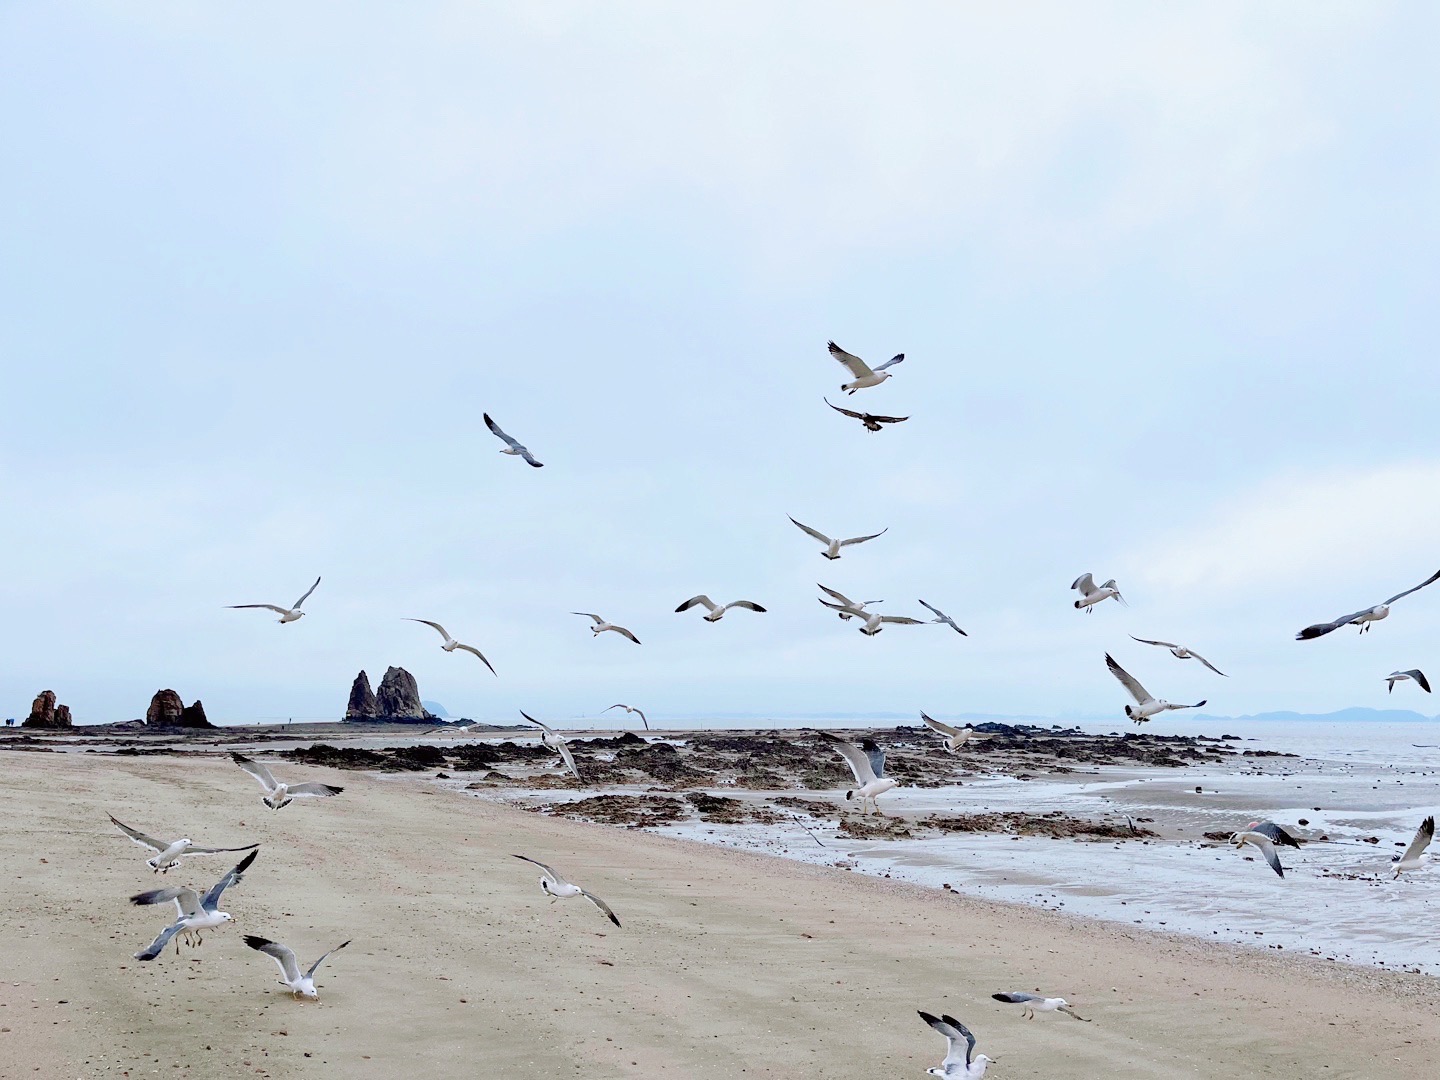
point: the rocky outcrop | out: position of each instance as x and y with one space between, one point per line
168 709
398 699
44 713
362 704
194 716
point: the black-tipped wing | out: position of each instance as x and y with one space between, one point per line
212 898
477 652
853 363
281 954
1276 834
1017 997
156 947
1138 692
255 769
896 359
875 755
313 790
1423 836
307 594
1428 581
139 837
316 965
601 905
1321 629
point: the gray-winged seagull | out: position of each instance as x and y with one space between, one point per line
632 709
1263 842
557 888
1365 616
196 912
289 614
941 617
301 986
278 794
1034 1003
1091 594
1414 856
864 374
847 608
717 611
451 644
1180 652
170 852
601 626
954 737
555 741
867 763
1146 704
833 546
1413 673
511 446
956 1066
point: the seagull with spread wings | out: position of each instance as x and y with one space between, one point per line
1180 652
872 421
290 614
844 606
601 626
1414 856
278 794
867 763
1399 676
1091 594
941 617
1146 704
169 852
955 737
196 912
555 741
833 546
1034 1003
632 709
512 447
1264 842
957 1065
875 622
451 644
1365 616
864 374
717 611
300 986
557 888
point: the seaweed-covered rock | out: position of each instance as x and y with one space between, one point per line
635 810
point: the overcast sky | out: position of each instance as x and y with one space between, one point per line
1164 275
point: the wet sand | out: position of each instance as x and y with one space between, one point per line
728 965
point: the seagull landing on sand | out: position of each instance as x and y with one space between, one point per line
289 614
1034 1003
867 762
874 623
1414 856
956 1066
278 794
301 986
169 852
847 608
632 709
1091 594
1365 616
1264 842
1413 673
717 611
557 888
451 644
864 374
832 547
197 912
1180 652
1146 704
954 737
555 741
601 626
511 446
941 617
871 421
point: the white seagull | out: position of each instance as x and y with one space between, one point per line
555 741
196 913
1414 858
278 794
301 986
832 547
1146 704
956 1066
290 614
864 374
941 617
1365 616
867 762
847 608
1091 594
632 709
601 626
954 737
872 421
169 852
874 622
451 644
1180 652
717 611
557 888
511 446
1263 842
1034 1003
1413 673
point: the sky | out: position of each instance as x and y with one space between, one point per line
1164 277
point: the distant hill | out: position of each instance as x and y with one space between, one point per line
1354 715
436 708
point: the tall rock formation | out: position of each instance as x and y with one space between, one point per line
194 716
168 709
44 713
362 704
398 699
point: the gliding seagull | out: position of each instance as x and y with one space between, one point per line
871 421
171 851
451 644
278 794
864 374
941 617
954 1067
847 608
1413 673
873 622
1180 652
196 912
867 763
954 737
1091 594
557 888
512 447
1365 616
1262 841
717 611
632 709
832 547
1034 1003
290 614
601 626
301 986
1412 859
555 741
1146 704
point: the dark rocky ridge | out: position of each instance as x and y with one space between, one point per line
396 702
168 709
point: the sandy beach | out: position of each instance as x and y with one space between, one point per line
728 964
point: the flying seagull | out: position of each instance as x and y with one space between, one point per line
1091 594
1180 652
632 709
1264 843
874 622
290 614
847 608
557 888
1146 704
867 762
278 794
872 421
169 852
1034 1003
451 644
301 986
832 547
1413 673
555 741
601 626
864 374
1413 858
196 913
955 1067
954 737
1276 834
511 446
717 611
941 617
1365 616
